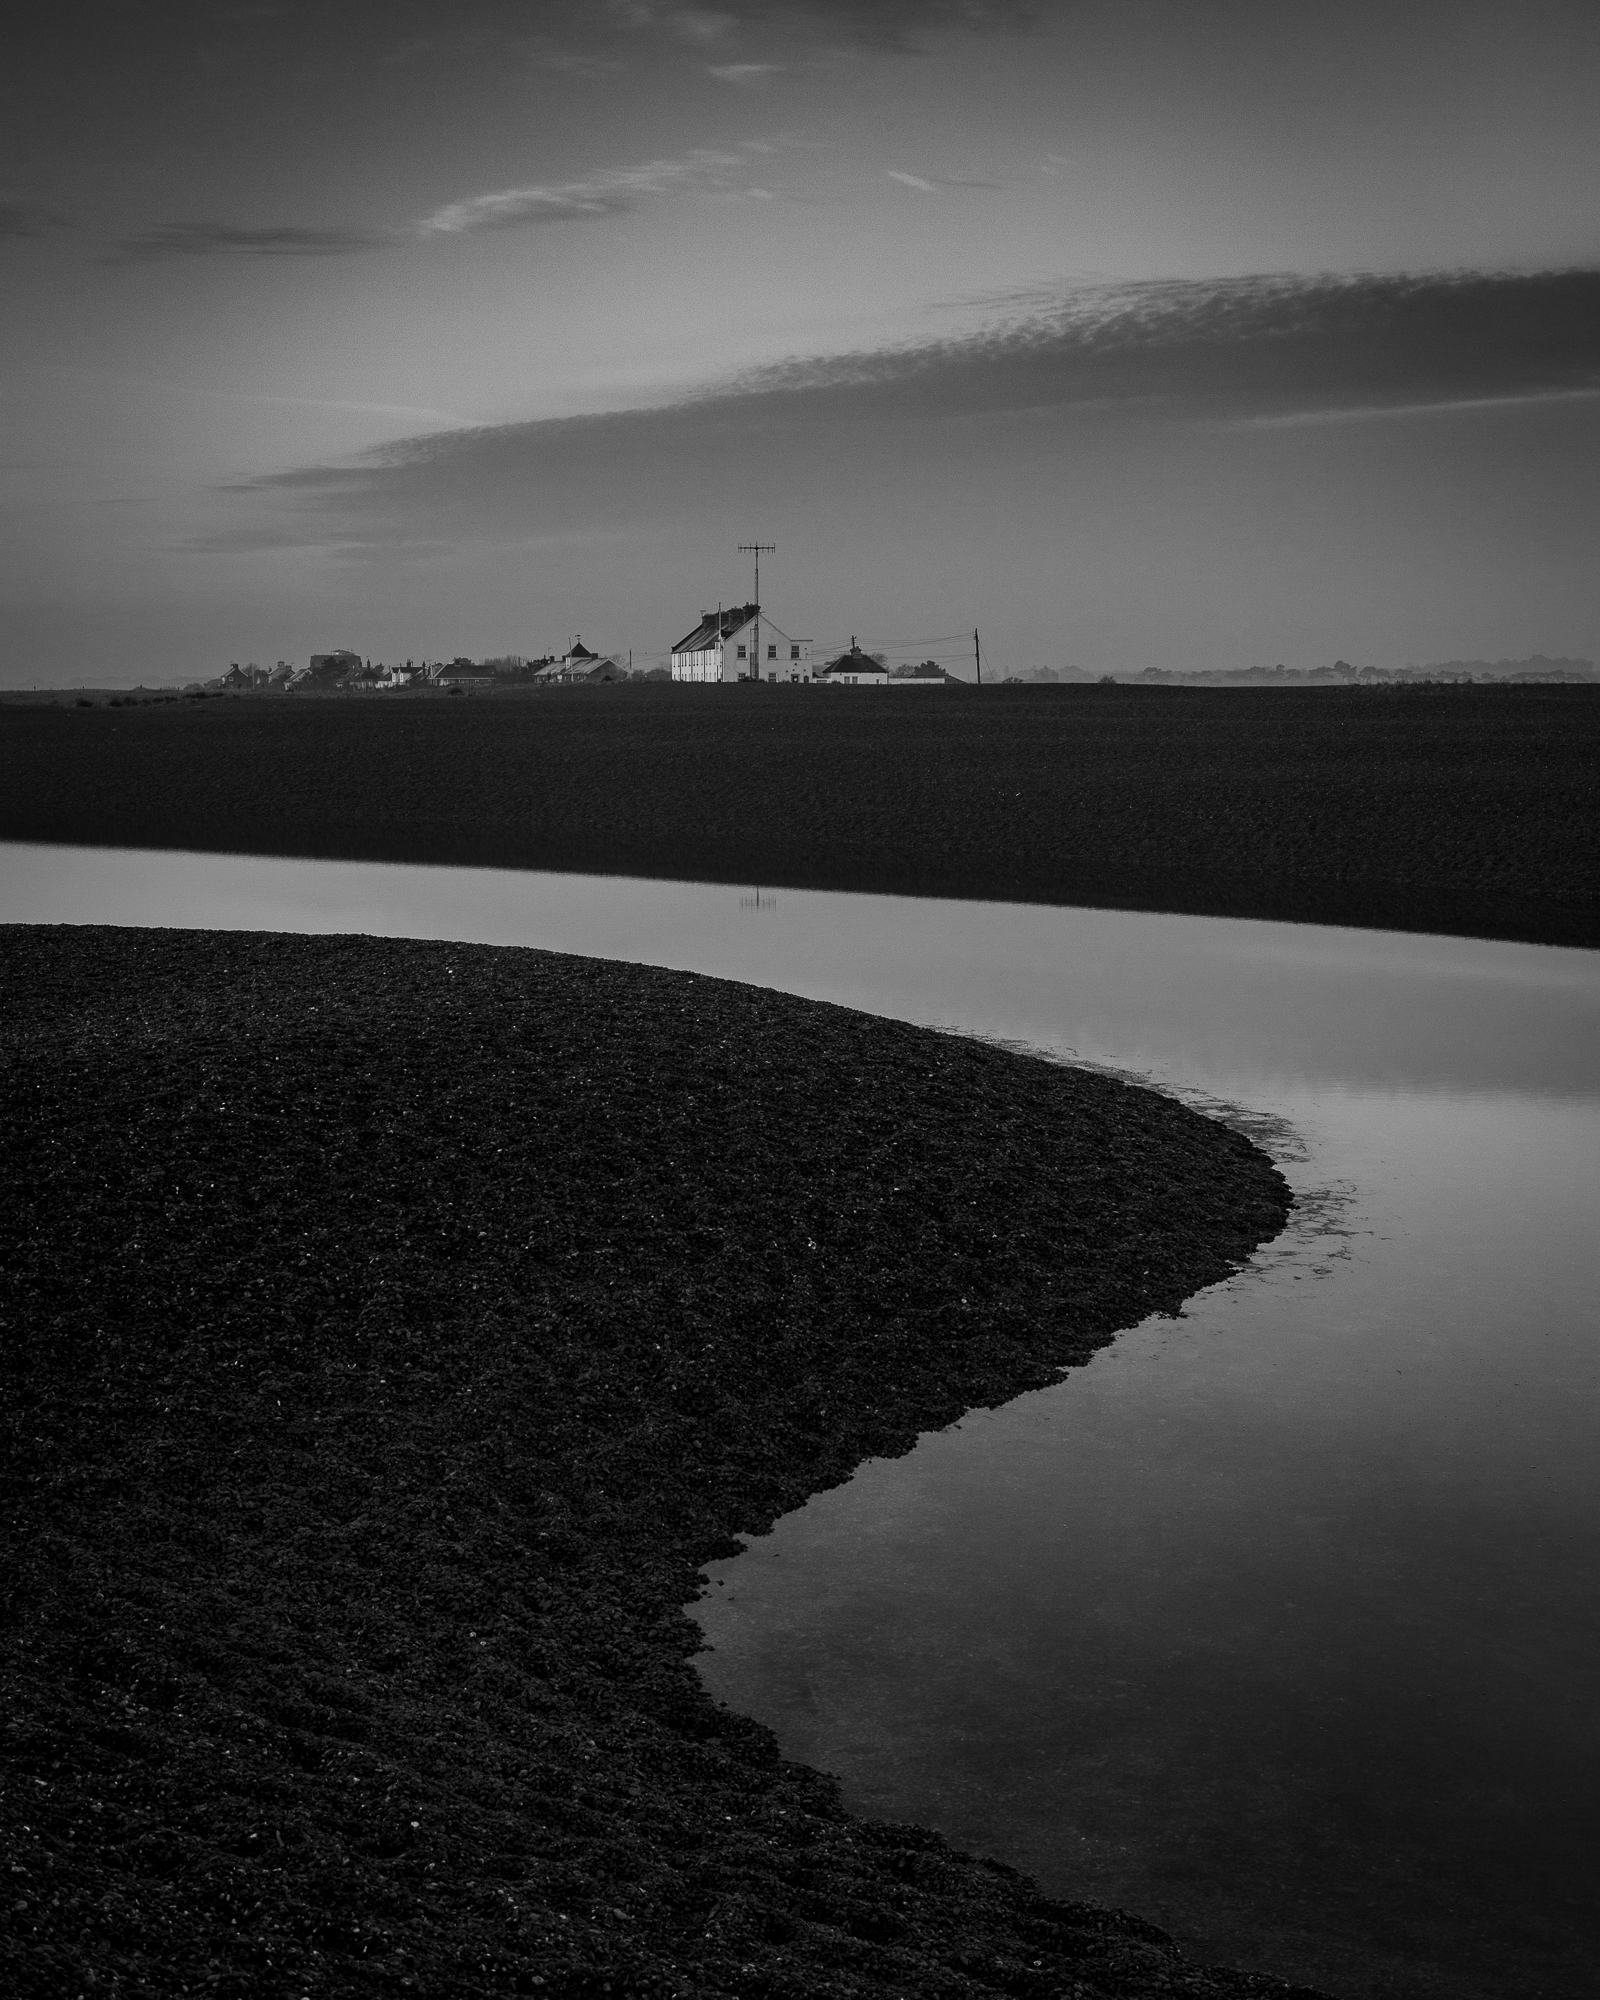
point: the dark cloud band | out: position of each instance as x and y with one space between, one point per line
1241 349
1260 341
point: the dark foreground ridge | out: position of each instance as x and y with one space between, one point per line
1473 810
391 1332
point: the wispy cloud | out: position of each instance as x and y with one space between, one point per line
1366 413
612 191
745 72
562 59
230 239
895 27
900 27
702 24
934 184
519 208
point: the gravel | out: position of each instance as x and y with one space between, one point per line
391 1333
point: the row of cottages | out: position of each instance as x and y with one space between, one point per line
252 676
740 644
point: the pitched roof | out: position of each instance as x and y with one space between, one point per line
856 662
714 627
578 667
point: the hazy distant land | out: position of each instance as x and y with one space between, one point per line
1538 667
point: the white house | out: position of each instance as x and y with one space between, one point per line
855 669
740 644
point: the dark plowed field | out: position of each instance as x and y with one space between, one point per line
1474 810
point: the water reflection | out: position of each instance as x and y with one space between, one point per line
1211 1000
1277 1622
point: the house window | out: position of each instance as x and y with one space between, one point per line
794 652
772 652
743 654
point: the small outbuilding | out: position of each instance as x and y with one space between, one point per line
856 669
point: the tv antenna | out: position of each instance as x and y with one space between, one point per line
758 550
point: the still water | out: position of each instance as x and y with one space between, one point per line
1279 1622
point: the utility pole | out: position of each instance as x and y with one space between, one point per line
758 550
977 656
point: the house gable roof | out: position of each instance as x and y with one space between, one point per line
582 666
714 627
856 662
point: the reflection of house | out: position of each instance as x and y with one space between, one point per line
856 669
578 663
740 644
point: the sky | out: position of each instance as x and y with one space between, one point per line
1133 334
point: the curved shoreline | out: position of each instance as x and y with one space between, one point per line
394 1330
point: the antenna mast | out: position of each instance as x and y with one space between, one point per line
758 550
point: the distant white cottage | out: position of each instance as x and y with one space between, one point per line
740 644
856 669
